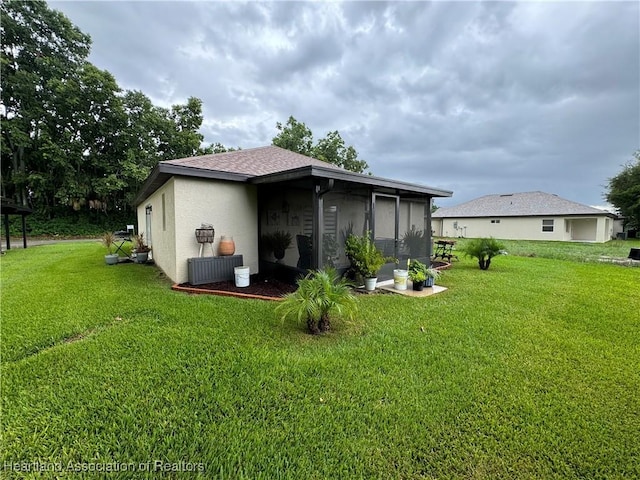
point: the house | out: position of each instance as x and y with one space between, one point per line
246 194
526 216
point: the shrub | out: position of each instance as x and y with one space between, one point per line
484 249
364 256
320 295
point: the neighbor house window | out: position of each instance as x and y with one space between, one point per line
496 220
547 225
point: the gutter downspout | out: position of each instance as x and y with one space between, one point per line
318 222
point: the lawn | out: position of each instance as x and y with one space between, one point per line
527 370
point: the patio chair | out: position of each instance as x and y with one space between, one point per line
304 250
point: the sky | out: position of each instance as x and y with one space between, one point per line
477 98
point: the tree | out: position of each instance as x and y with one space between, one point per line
73 143
624 192
297 137
332 149
294 136
40 47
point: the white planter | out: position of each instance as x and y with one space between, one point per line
400 279
242 276
370 284
111 259
141 257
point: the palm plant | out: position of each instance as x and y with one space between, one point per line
277 242
415 241
139 244
484 249
321 295
108 240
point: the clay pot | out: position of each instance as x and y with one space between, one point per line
227 246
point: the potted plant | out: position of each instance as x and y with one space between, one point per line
417 274
108 239
432 275
418 278
421 275
277 242
365 258
141 248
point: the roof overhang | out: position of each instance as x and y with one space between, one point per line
163 172
313 171
7 207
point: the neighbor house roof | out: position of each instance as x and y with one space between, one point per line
518 205
269 164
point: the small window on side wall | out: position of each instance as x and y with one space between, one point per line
495 220
547 225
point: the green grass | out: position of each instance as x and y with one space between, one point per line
575 251
527 370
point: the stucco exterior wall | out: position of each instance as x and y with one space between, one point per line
163 239
232 209
592 229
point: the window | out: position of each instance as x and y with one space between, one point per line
547 225
497 220
148 209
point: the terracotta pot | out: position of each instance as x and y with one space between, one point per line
227 246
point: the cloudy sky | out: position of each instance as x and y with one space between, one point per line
478 98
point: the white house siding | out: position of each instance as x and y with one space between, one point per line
592 229
163 227
230 207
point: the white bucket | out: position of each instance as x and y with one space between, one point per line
242 276
370 284
400 279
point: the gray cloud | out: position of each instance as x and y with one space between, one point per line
475 97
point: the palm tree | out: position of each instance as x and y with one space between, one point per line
484 249
321 295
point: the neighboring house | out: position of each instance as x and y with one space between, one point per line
248 193
526 216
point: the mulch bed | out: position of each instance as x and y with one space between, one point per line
259 287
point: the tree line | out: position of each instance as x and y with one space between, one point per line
75 144
72 139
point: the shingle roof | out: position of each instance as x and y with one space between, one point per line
271 164
517 205
252 162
